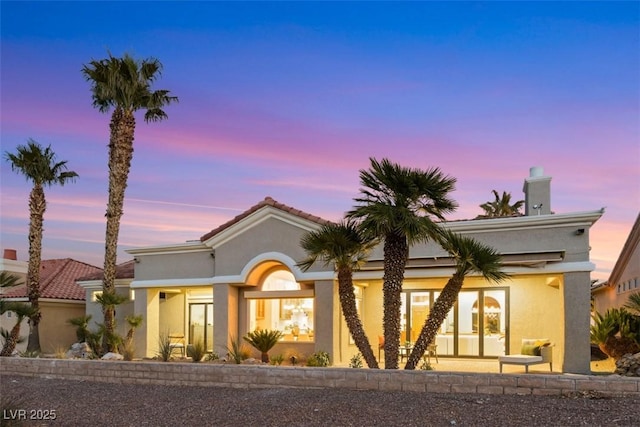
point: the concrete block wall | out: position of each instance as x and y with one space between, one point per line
264 376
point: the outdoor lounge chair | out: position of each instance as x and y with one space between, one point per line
533 352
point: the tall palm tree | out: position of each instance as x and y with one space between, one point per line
39 166
399 205
123 84
346 248
470 256
501 206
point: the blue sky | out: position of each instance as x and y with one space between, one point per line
290 99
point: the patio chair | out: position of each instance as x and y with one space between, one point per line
177 343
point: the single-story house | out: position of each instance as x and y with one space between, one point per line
243 275
61 299
625 276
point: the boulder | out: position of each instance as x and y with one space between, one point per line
79 350
112 356
628 365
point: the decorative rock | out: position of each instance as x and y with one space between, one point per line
79 350
628 365
112 356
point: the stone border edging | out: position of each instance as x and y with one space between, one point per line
265 376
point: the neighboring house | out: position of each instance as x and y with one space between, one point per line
625 276
61 299
243 275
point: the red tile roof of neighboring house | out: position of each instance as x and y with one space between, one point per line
58 280
268 201
123 271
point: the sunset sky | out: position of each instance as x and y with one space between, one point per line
290 99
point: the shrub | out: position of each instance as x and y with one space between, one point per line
319 359
196 351
164 347
237 351
94 341
59 352
277 359
356 361
426 366
617 332
212 356
128 350
82 327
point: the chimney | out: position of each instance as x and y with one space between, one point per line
537 192
11 254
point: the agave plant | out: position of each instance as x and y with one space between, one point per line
237 351
263 340
197 350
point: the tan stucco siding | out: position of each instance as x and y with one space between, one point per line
174 266
272 235
55 331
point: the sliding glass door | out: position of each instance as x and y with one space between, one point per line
475 327
201 324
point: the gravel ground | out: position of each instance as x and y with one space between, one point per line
79 403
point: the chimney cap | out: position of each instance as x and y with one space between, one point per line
10 254
536 171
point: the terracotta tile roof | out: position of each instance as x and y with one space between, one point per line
123 271
58 280
268 201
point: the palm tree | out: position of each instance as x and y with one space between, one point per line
12 338
470 256
346 247
7 280
501 206
263 340
39 166
399 205
123 84
633 303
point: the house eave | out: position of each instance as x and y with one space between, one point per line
187 247
489 225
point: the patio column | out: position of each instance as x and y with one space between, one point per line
147 303
325 324
576 349
225 316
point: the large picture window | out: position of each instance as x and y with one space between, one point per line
282 305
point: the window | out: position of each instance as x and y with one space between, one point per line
282 305
94 295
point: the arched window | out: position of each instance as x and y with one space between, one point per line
283 305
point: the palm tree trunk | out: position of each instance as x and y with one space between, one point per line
12 341
350 312
438 314
37 207
396 251
120 155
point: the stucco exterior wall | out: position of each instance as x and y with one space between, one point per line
272 235
55 331
192 264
